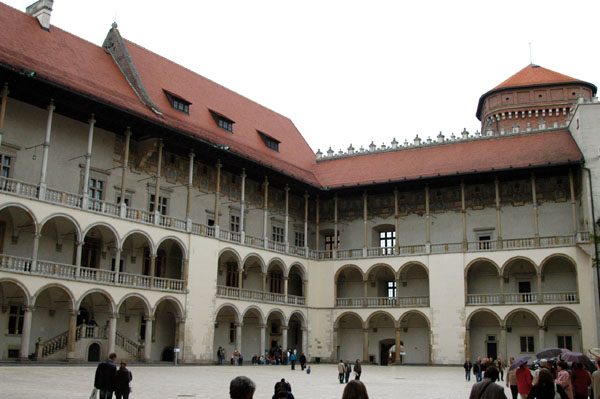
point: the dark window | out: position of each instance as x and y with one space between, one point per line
329 242
565 342
231 333
223 122
391 288
178 103
527 344
298 239
278 234
232 275
5 164
269 141
275 279
15 319
235 223
162 204
96 189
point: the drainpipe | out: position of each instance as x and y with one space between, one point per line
594 227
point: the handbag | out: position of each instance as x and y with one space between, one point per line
94 394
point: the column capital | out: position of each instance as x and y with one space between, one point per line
263 325
74 312
284 327
161 144
192 155
398 329
365 330
180 320
239 324
306 196
218 164
285 278
128 131
149 318
286 188
304 329
113 315
243 173
92 121
51 106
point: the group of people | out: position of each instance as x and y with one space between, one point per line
275 355
550 381
481 365
243 388
344 370
109 379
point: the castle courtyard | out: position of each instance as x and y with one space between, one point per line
153 382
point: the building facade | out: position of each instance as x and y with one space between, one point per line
149 211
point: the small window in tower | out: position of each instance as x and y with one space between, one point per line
178 102
222 121
269 141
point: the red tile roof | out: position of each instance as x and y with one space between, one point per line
533 75
74 63
457 158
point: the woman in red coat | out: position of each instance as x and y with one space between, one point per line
581 381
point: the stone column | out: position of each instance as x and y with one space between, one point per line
34 255
112 332
180 337
238 336
71 334
152 269
285 288
190 186
263 331
284 337
365 222
498 212
468 343
286 231
42 191
504 344
157 183
334 349
124 167
365 290
306 222
335 226
117 264
148 339
365 345
78 249
305 289
317 225
501 289
304 340
240 280
541 344
540 299
535 211
397 223
464 215
243 207
427 221
26 332
185 273
4 96
398 345
217 198
573 203
88 161
266 211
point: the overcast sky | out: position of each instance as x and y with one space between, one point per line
354 71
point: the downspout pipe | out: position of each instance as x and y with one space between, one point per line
595 232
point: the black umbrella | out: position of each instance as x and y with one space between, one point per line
577 357
519 362
549 352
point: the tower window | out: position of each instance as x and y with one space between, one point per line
222 121
177 102
269 141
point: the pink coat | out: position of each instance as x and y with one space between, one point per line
564 380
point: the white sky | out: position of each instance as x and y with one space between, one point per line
354 71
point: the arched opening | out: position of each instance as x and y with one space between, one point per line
251 333
169 260
131 327
136 255
99 249
53 308
381 286
414 286
484 335
295 333
522 334
382 337
483 283
13 300
228 274
17 230
415 336
253 274
99 307
295 281
275 329
225 335
93 353
57 243
562 330
520 282
350 337
164 334
559 280
275 284
350 287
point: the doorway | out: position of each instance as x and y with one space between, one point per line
525 291
385 357
94 353
491 346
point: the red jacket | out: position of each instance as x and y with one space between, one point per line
523 380
581 381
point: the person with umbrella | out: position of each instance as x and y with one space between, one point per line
511 379
563 378
546 388
523 376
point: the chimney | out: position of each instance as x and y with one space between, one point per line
41 10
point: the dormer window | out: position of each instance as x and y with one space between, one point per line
222 121
178 102
269 141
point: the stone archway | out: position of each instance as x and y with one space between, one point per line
227 321
415 333
350 338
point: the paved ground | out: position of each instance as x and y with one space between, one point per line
151 382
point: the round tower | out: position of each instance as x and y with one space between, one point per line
533 99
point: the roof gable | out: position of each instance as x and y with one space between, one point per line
533 75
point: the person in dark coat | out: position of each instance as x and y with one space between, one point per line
124 377
487 387
302 361
357 370
546 388
468 366
348 370
477 370
106 377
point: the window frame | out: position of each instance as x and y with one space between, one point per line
299 239
222 121
383 239
163 206
270 142
178 103
16 315
277 234
527 342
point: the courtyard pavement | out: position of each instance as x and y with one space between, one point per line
150 382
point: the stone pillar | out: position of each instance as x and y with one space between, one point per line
88 161
263 331
266 211
157 183
335 226
240 278
26 332
365 345
180 337
468 343
238 337
464 216
427 221
397 223
42 191
501 289
217 197
286 230
504 344
190 186
540 299
305 289
34 255
3 103
284 337
285 288
304 340
125 166
152 269
243 207
573 202
78 249
334 349
317 225
498 212
535 211
71 334
185 273
148 339
306 222
117 264
365 221
365 289
398 346
112 332
541 344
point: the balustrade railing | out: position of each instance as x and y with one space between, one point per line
54 344
257 242
167 284
63 198
483 299
252 295
383 302
560 297
128 345
15 264
447 248
228 292
520 298
57 270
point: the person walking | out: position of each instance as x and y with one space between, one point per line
106 377
487 387
302 361
341 371
348 370
357 370
581 381
219 356
477 370
545 387
124 378
563 378
468 366
524 381
500 366
293 360
511 379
